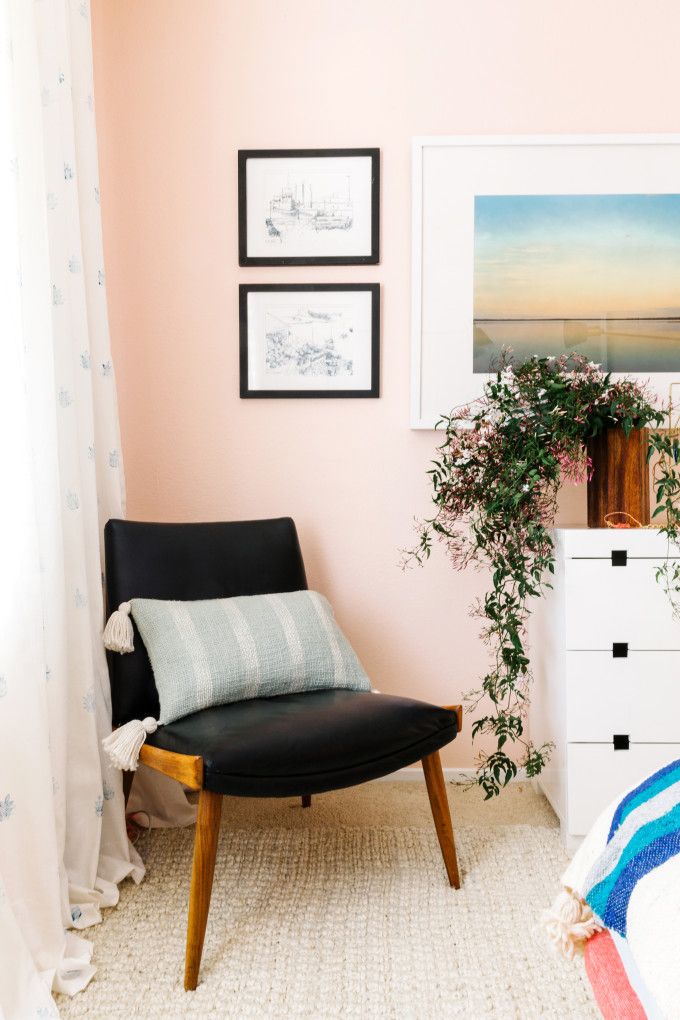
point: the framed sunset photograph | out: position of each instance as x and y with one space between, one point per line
542 245
596 274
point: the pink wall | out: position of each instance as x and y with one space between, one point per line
180 86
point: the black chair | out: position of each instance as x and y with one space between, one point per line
290 746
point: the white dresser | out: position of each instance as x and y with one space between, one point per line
605 653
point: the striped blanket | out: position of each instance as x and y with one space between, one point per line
643 834
625 877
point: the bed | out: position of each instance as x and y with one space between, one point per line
620 902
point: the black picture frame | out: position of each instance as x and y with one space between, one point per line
313 260
247 288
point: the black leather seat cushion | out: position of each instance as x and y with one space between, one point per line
307 743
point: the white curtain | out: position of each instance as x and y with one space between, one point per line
63 845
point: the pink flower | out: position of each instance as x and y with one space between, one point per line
575 466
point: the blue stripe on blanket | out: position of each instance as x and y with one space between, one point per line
656 854
652 845
649 788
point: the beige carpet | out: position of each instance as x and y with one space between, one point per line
343 910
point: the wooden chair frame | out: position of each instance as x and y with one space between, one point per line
188 769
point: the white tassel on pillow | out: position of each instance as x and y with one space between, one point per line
118 633
569 923
124 744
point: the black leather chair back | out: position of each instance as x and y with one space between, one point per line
186 562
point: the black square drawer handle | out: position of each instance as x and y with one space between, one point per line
620 649
619 557
621 742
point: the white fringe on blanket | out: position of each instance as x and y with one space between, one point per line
569 923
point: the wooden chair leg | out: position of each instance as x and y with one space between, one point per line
306 800
205 850
436 791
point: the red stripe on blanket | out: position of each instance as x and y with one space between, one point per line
612 989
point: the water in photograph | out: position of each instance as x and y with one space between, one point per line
619 345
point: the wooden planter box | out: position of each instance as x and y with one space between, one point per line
620 482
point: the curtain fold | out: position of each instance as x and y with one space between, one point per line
63 845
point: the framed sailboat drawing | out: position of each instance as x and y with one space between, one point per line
309 339
308 207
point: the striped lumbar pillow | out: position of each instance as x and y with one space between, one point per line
213 652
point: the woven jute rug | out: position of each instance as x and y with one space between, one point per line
343 910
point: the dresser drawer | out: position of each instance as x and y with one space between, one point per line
638 696
599 543
606 604
597 774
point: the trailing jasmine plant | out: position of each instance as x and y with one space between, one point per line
665 448
495 485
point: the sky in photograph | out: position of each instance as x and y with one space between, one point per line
576 256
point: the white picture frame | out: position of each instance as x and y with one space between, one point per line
448 172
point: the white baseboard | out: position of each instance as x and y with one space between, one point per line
414 774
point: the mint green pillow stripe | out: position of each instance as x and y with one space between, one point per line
217 651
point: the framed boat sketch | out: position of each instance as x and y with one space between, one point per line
309 340
546 245
308 207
